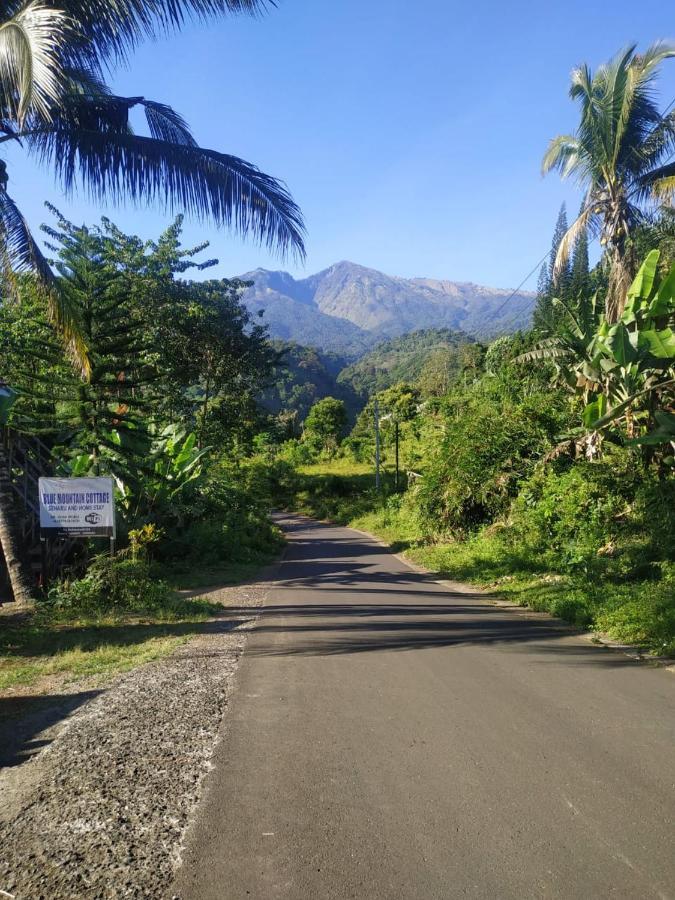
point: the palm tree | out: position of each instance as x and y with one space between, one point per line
621 154
55 104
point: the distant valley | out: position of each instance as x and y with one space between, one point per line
348 308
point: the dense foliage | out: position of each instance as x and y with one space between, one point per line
545 471
301 377
405 359
169 409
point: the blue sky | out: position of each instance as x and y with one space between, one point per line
411 134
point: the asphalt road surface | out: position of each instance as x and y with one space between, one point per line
390 737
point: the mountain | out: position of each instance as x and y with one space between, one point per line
348 308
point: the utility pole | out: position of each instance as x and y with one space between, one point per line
377 445
396 439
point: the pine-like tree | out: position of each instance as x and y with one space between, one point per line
550 284
579 275
560 281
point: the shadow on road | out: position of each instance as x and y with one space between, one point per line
383 605
329 629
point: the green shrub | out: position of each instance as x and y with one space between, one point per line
111 585
487 449
608 518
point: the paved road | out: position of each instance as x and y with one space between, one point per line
390 738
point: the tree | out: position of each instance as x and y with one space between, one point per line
579 274
55 104
620 153
552 282
325 425
171 359
559 276
225 350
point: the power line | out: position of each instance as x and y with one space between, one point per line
524 281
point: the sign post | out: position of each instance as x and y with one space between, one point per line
77 508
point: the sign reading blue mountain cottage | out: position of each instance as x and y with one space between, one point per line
78 507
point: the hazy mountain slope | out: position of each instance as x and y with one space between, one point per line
292 315
347 307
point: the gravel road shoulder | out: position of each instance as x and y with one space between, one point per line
101 811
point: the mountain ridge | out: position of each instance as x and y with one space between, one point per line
347 308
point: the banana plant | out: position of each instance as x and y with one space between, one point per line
150 467
571 349
621 371
632 360
175 460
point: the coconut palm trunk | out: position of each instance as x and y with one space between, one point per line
19 576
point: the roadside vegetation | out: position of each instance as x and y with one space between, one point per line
113 358
169 411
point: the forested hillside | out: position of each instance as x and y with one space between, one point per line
300 377
430 355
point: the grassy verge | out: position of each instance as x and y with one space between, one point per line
339 490
61 644
70 648
637 611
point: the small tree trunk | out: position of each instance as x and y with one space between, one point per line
19 576
622 270
205 412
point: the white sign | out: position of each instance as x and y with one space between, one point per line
79 507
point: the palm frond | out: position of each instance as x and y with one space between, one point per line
562 154
649 61
166 124
659 144
551 352
21 254
570 238
93 109
640 115
581 86
109 29
116 165
664 189
22 250
31 73
658 183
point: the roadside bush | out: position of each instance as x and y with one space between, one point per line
608 518
111 585
296 453
646 616
487 450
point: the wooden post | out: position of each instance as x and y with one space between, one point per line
377 445
396 439
44 563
